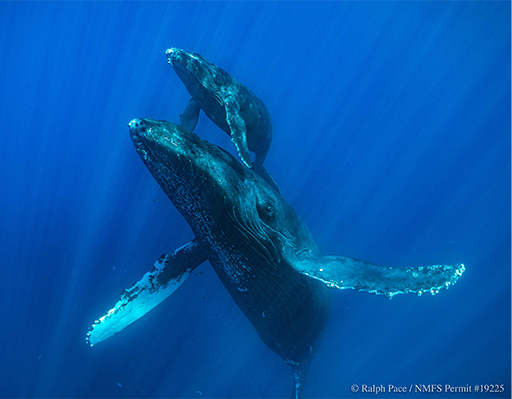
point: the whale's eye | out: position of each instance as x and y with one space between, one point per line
265 210
218 80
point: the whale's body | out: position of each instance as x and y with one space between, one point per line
261 250
243 223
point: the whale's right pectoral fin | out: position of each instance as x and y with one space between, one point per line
347 273
238 129
189 117
168 273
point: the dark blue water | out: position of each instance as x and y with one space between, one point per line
392 141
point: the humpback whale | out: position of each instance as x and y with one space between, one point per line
228 103
258 246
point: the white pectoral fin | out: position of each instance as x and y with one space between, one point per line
168 273
238 129
347 273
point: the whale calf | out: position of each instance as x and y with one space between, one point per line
228 103
258 246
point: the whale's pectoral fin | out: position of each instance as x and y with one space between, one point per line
238 130
189 117
168 273
347 273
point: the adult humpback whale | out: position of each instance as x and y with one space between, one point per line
228 103
260 249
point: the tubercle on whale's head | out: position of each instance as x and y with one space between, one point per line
174 56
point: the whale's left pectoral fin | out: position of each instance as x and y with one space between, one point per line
238 129
347 273
168 273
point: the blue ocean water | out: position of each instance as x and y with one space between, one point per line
392 141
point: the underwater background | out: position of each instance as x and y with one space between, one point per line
391 141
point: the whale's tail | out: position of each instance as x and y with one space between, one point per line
299 375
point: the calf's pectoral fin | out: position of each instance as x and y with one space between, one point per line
238 129
260 170
168 273
189 117
347 273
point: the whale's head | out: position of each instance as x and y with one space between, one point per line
212 189
196 72
184 164
183 61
